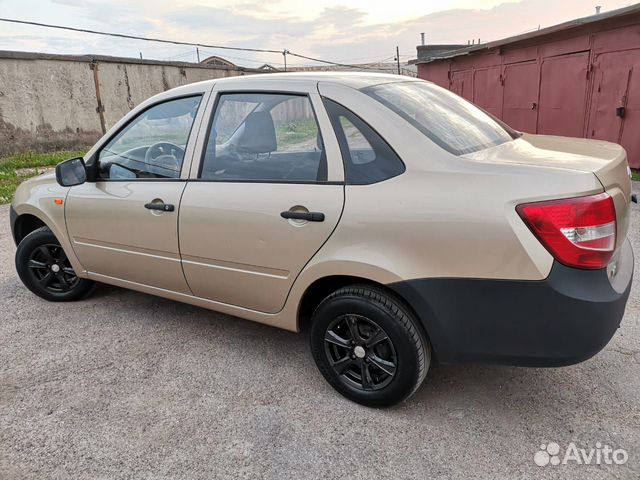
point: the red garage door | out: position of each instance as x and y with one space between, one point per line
520 104
487 90
615 108
563 94
462 84
630 138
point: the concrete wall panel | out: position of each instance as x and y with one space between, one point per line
50 101
122 86
46 104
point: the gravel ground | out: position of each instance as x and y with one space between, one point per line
126 385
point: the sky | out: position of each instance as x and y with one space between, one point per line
356 31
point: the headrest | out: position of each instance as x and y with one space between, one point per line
259 134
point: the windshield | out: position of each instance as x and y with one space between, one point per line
450 121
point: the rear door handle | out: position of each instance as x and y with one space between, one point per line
308 216
163 207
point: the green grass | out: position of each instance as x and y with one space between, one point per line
9 179
297 131
635 175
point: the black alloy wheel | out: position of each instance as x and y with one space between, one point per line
369 346
44 268
51 268
360 351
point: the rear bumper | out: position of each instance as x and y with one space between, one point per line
565 319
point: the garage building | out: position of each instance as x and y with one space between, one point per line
580 78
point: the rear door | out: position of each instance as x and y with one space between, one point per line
267 195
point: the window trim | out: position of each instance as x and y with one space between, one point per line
219 94
95 158
344 146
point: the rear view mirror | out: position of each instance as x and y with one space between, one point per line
71 172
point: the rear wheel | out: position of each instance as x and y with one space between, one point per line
44 268
368 346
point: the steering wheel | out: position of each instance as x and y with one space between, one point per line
166 156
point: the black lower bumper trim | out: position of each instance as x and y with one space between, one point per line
13 216
565 319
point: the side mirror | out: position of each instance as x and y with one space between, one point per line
71 172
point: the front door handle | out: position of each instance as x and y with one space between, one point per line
163 207
308 216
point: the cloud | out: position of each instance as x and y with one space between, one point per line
338 33
205 19
341 17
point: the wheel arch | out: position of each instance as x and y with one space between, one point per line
29 217
24 224
323 286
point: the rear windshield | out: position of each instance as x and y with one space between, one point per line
450 121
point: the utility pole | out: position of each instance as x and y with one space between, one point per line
284 54
398 58
198 54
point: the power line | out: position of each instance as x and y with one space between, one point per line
337 64
247 59
134 37
179 55
348 60
176 42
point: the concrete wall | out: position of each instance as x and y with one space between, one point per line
50 102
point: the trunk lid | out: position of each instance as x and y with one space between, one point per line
607 161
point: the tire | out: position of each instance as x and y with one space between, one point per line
368 346
44 268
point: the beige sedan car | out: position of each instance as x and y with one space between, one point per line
393 220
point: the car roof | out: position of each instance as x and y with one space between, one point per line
351 79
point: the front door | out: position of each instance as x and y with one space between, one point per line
266 198
125 224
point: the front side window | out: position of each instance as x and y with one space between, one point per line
264 137
367 157
152 145
451 122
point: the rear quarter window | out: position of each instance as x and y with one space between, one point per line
367 157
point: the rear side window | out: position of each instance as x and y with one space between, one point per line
448 120
264 137
367 157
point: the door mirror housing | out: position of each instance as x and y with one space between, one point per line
71 172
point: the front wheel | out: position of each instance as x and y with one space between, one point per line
44 268
368 346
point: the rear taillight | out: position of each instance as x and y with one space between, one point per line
579 232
